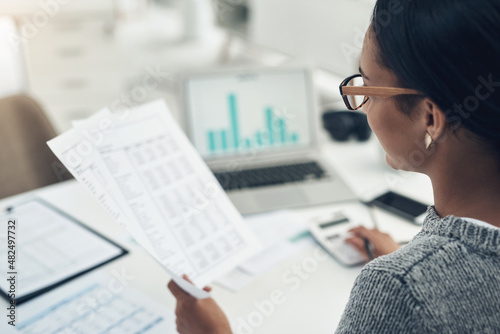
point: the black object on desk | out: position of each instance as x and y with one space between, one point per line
343 125
403 206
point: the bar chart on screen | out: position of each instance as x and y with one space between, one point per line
238 113
273 132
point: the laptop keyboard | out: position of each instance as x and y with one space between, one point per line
269 176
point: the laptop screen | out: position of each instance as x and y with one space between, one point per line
259 111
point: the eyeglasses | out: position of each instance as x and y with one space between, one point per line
355 94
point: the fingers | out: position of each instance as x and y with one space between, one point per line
187 278
177 291
207 288
381 243
362 232
370 234
359 244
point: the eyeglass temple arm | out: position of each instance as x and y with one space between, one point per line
378 91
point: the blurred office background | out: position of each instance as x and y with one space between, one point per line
78 56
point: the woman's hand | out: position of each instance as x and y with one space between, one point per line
380 243
198 316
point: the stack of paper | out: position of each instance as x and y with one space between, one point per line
95 303
143 170
282 235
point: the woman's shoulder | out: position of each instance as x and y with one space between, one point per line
401 262
441 243
422 284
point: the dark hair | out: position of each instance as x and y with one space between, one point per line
446 49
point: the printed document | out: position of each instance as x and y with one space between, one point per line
95 303
144 171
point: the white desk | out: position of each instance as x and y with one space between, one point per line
312 304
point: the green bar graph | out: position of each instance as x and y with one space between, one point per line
211 141
234 119
270 125
259 138
273 133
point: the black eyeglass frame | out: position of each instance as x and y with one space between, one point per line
346 91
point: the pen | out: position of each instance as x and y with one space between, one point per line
368 249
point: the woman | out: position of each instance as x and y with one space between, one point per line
431 72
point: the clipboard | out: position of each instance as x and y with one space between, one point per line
49 248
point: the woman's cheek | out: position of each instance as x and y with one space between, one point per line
373 118
379 128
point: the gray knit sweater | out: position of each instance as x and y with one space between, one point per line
447 280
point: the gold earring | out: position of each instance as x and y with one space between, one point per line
428 140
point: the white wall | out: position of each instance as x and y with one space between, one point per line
328 32
12 59
26 8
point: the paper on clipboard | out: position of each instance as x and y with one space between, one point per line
52 248
148 176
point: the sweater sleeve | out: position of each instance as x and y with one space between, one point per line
380 303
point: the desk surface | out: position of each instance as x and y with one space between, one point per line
314 287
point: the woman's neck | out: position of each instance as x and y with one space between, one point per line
468 189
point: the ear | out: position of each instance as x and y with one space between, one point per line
435 119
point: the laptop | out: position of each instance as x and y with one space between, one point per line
257 130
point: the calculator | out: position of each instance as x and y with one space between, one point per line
331 229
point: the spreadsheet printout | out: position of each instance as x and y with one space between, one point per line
145 172
51 248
